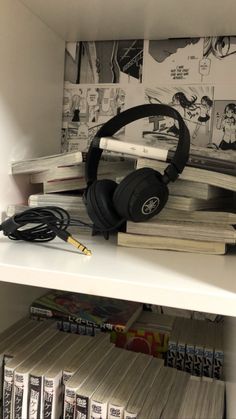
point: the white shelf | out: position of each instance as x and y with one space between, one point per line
190 281
150 19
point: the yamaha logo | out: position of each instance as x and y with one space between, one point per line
150 205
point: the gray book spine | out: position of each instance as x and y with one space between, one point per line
7 393
48 399
82 407
35 397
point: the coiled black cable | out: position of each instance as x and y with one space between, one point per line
45 223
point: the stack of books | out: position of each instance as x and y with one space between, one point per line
198 217
85 314
66 172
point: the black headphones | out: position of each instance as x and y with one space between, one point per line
144 192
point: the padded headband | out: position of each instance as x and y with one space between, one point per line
114 124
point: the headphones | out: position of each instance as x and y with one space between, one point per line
144 192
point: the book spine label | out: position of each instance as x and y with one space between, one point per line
198 361
207 367
128 415
66 376
69 403
82 407
7 392
171 354
115 411
98 410
133 149
35 396
52 397
218 364
20 396
189 358
48 393
43 312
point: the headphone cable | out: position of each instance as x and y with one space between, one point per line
45 223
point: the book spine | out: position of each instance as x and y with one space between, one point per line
1 375
35 397
218 364
20 401
171 354
207 367
48 395
52 397
189 358
115 411
7 392
134 149
82 407
98 410
69 403
198 360
180 356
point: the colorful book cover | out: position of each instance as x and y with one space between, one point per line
154 343
107 313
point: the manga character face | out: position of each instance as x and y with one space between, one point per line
229 112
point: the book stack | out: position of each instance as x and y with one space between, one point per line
49 373
198 217
66 172
85 314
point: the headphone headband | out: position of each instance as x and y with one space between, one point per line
114 124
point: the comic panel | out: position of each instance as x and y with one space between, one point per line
194 104
208 60
224 128
219 55
87 108
173 61
104 62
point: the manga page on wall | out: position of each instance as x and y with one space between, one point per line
100 82
104 62
193 75
190 60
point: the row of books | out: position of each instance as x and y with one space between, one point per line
47 373
196 346
188 344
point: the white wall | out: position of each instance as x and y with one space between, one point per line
31 87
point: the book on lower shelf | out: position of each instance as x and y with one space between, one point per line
87 368
38 336
148 334
91 311
86 389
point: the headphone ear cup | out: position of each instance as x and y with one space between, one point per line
100 205
140 195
